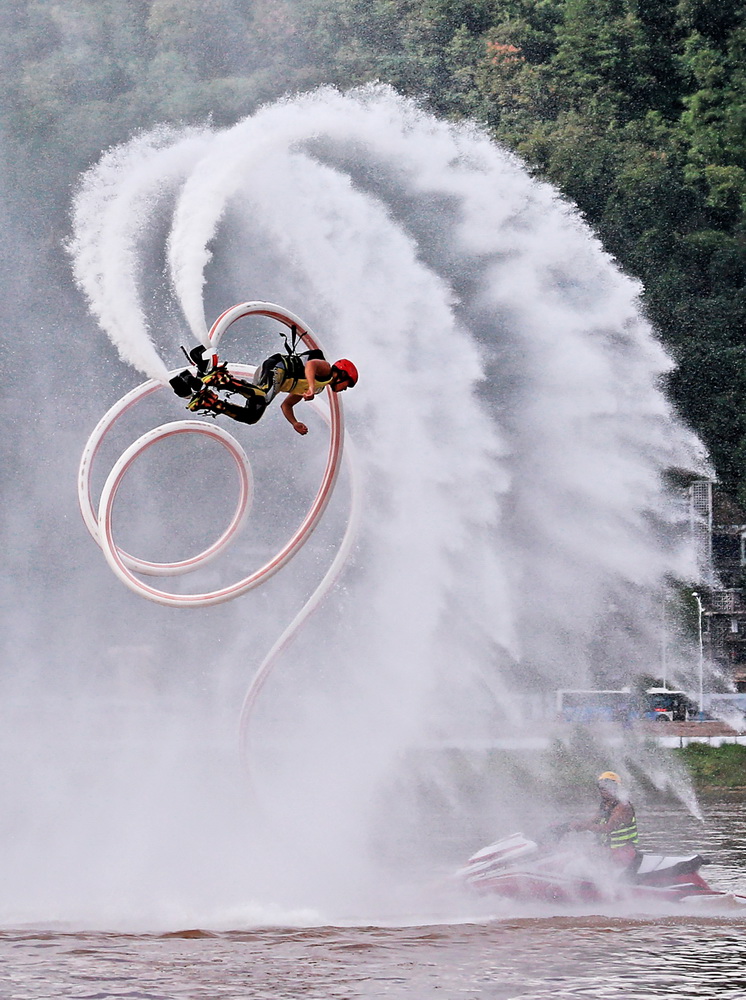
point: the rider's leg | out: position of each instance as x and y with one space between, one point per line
250 413
270 375
209 401
221 378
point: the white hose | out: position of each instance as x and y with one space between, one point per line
100 522
330 578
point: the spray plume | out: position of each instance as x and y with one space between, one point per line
112 205
513 432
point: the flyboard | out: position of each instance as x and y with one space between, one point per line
99 518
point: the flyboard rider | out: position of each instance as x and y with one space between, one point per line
614 824
301 376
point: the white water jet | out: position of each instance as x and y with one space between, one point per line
512 429
113 205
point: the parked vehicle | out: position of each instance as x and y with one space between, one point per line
587 706
668 706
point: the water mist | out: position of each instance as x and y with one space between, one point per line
512 439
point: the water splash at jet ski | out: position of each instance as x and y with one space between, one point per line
572 872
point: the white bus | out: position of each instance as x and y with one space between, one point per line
585 706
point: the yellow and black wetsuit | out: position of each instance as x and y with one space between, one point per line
280 373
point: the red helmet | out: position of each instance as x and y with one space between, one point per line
347 369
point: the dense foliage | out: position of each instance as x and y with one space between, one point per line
635 109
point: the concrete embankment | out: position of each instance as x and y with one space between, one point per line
682 734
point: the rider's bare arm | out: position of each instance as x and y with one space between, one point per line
314 369
288 403
317 368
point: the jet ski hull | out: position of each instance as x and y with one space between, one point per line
520 869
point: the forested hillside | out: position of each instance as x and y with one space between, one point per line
635 109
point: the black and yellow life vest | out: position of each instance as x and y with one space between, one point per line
300 385
295 381
623 836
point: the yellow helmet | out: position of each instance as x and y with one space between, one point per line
609 776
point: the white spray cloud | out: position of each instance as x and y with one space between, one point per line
511 426
112 206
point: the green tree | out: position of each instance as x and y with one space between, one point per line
715 122
609 63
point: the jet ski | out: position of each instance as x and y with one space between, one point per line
516 867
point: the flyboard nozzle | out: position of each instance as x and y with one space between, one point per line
200 356
185 384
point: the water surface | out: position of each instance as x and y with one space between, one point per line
551 956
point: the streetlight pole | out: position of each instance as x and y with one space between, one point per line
701 651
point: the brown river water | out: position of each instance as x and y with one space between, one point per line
630 956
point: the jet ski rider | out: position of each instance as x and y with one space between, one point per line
614 824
